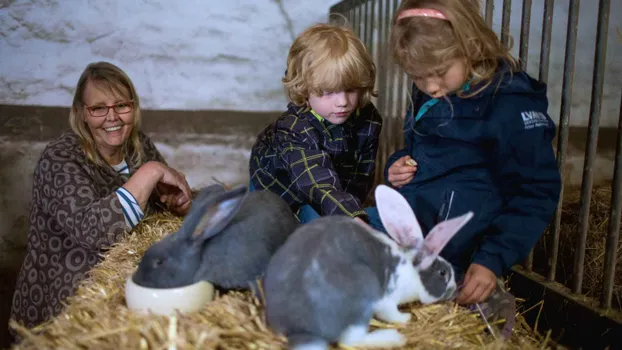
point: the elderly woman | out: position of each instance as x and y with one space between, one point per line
91 185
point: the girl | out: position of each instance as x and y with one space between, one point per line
477 137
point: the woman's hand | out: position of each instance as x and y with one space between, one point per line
152 174
479 283
401 172
174 191
174 199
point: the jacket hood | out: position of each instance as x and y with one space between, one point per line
513 83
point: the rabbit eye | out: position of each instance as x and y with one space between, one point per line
157 262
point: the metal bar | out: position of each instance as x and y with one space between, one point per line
366 25
613 232
380 59
372 25
566 101
490 10
545 47
545 53
391 66
523 56
356 23
524 33
359 7
590 152
505 22
352 12
387 66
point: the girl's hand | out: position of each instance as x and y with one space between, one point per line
479 283
402 171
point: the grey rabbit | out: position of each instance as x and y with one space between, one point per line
333 274
227 238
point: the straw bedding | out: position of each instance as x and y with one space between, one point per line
96 316
600 206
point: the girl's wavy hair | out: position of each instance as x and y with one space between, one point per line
106 76
328 58
419 44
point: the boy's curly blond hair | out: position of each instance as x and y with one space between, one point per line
328 58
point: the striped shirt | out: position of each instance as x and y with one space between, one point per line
131 210
307 160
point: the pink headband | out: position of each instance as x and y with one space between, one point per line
421 13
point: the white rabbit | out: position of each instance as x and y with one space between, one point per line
334 273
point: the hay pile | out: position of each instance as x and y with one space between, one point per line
600 207
96 316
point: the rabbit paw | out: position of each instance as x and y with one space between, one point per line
387 311
357 336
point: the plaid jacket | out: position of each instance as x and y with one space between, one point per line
307 160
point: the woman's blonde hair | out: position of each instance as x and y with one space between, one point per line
106 76
420 44
328 58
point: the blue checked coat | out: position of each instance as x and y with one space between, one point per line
308 160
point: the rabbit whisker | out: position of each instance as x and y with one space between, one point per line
481 312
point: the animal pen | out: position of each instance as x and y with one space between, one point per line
555 302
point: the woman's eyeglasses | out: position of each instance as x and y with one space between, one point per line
102 110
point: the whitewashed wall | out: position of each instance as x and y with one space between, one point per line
186 54
218 54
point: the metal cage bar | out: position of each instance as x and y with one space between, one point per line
524 49
505 22
613 232
489 11
590 152
564 120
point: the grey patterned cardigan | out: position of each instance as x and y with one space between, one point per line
75 214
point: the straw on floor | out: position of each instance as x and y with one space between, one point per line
598 221
96 317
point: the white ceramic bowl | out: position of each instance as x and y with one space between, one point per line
165 301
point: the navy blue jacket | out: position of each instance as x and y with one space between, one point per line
494 156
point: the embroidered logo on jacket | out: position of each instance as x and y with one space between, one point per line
534 119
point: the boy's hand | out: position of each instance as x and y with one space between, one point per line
479 283
402 171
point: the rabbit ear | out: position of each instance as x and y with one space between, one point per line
211 214
439 236
209 192
397 217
